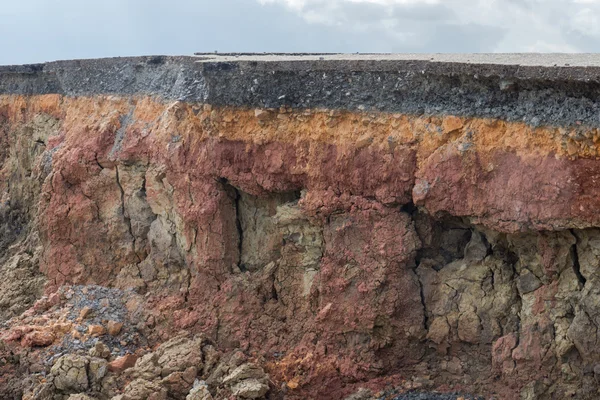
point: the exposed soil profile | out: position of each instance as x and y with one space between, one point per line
194 228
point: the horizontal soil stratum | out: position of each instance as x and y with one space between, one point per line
285 226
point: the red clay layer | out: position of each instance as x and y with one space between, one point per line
138 196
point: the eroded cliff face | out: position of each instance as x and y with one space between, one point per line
304 253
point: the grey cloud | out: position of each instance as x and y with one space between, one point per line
409 27
73 29
501 25
469 38
426 13
42 30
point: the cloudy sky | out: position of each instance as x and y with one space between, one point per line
44 30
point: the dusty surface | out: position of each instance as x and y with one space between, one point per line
162 247
513 59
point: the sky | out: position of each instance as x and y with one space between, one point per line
45 30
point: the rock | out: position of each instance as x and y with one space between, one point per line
211 358
469 327
177 361
97 370
438 330
96 330
451 124
364 141
179 384
70 373
180 353
477 249
81 396
245 371
361 394
62 328
237 358
199 392
292 384
248 381
21 282
122 363
215 378
100 350
147 367
250 389
45 303
41 338
41 391
453 366
471 309
84 313
141 389
528 282
533 390
262 115
114 328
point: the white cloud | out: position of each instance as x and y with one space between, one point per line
587 20
516 25
41 30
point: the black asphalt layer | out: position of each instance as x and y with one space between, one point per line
559 90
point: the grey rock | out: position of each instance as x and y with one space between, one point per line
70 373
528 282
250 389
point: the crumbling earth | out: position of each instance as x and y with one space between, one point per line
158 240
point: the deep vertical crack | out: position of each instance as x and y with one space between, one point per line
412 210
125 217
575 257
423 303
238 225
237 196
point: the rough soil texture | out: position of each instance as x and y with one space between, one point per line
163 238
